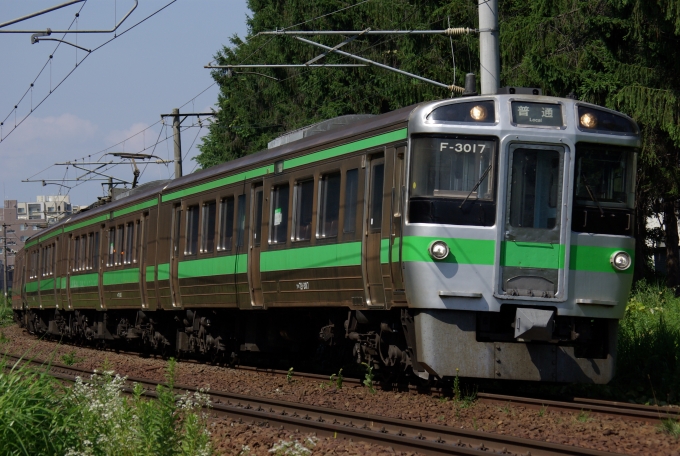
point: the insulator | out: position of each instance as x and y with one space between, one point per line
455 88
451 31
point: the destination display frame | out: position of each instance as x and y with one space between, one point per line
532 114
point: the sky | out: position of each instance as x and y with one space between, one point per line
117 91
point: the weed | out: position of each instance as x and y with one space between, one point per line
337 379
542 411
671 427
323 385
289 376
474 423
443 399
441 418
583 417
506 410
368 378
70 359
6 312
456 387
3 338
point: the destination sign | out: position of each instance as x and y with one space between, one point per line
537 114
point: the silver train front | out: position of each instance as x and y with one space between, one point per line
460 301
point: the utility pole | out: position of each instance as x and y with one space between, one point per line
4 264
489 51
178 143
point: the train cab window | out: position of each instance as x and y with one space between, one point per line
452 181
351 194
208 227
329 206
112 247
129 239
226 223
120 234
535 188
278 220
302 223
240 220
603 190
192 231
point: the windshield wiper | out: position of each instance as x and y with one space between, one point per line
592 196
479 182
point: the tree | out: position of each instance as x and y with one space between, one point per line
615 53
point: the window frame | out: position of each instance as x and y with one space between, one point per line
321 206
297 209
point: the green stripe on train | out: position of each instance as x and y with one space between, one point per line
121 277
373 141
85 280
596 259
46 285
136 207
232 264
150 273
45 237
322 256
164 271
84 223
532 255
31 287
520 254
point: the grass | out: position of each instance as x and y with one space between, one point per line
671 427
6 314
648 366
39 415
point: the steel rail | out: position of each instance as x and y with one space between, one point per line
405 435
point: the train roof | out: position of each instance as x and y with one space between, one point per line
366 126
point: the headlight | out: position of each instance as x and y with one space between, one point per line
588 120
620 261
478 113
438 250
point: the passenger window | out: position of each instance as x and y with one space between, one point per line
112 247
119 245
278 225
257 230
329 205
241 220
83 252
76 254
208 228
302 225
377 179
192 231
95 251
226 223
351 190
129 242
535 174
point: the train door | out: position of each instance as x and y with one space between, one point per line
373 211
532 251
100 245
69 267
395 225
241 282
255 235
175 254
142 252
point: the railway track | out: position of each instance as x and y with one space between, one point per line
405 435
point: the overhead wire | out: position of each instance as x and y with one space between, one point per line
78 63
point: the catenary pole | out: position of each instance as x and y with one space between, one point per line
178 143
489 51
4 264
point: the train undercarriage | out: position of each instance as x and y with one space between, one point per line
325 340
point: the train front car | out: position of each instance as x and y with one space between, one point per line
518 240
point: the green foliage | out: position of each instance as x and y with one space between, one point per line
649 345
39 415
671 427
6 312
368 378
456 387
70 358
34 417
254 109
337 379
289 375
294 447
